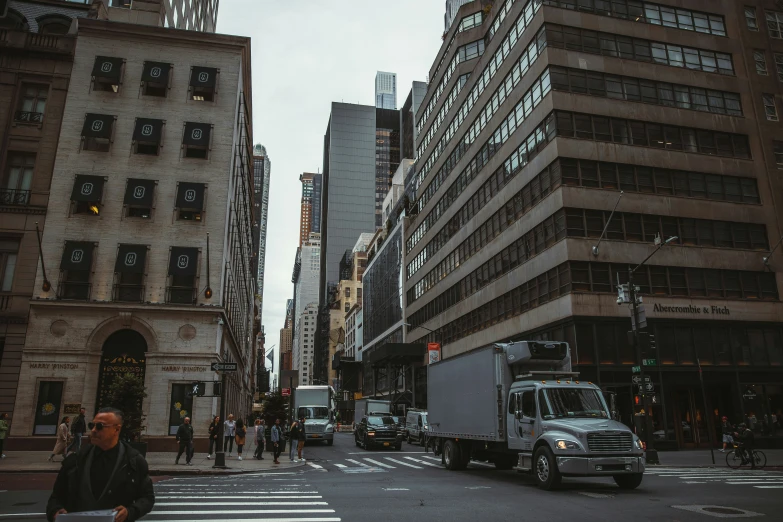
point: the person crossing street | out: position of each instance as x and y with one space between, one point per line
78 427
185 439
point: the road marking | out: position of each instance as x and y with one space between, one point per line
422 462
395 489
189 494
26 515
254 495
402 463
754 482
482 464
359 463
341 466
241 512
386 453
477 487
381 464
769 487
436 459
316 466
245 503
297 519
595 495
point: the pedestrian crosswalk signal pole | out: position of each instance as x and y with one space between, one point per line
220 455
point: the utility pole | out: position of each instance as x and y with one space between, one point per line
220 455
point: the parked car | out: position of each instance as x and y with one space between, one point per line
415 426
377 430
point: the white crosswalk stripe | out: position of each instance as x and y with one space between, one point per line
249 499
734 477
381 464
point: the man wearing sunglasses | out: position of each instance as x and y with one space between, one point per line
107 474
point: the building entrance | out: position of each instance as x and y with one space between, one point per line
123 352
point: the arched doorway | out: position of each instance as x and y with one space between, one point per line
123 352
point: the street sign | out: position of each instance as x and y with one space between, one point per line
224 367
645 388
649 362
637 379
636 369
286 392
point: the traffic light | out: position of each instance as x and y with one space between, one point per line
637 400
216 389
197 389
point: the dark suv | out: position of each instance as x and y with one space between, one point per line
377 430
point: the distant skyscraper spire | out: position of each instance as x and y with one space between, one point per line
386 90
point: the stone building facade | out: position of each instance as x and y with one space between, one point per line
146 258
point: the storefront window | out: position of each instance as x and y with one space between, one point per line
181 407
739 346
47 411
667 346
758 350
685 345
720 341
585 345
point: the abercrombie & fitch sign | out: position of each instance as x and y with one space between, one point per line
692 310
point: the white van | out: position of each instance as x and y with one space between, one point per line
415 426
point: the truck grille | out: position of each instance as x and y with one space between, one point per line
314 428
610 441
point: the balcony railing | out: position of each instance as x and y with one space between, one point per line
14 197
76 291
129 293
181 295
28 117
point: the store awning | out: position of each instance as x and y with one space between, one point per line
205 77
148 130
197 134
190 196
107 67
183 261
87 188
139 192
131 259
97 125
77 255
156 72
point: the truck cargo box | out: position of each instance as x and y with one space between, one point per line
466 395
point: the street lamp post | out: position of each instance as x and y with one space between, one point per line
650 452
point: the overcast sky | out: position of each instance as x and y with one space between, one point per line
307 54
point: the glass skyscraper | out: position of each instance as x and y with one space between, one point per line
386 90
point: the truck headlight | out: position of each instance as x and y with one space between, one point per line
639 444
566 444
329 427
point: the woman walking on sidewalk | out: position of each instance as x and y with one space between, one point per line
293 438
229 431
240 437
3 432
214 431
260 435
62 440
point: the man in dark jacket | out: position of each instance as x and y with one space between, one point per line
108 474
185 439
78 427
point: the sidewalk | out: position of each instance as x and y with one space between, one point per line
160 463
701 458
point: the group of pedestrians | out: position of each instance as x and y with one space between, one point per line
234 431
69 436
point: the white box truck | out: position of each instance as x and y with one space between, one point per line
519 404
316 405
364 407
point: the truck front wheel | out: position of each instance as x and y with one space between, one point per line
628 481
545 469
452 456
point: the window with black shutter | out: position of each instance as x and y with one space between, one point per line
97 132
190 201
75 270
87 195
129 270
155 79
139 196
203 83
107 73
196 140
183 272
148 136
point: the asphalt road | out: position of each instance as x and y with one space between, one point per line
346 483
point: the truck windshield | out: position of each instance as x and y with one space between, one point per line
424 419
380 421
572 402
314 412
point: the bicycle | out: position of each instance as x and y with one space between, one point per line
737 458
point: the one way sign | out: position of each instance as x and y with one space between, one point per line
637 379
224 367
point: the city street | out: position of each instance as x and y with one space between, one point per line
346 483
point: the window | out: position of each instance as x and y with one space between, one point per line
107 74
778 149
770 109
190 201
87 195
195 141
147 136
779 65
54 24
129 273
761 62
775 24
155 79
750 19
139 195
348 291
75 270
9 249
32 103
203 83
18 179
528 404
183 272
97 132
47 411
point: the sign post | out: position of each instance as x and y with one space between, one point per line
222 368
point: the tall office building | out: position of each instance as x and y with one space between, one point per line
306 280
452 8
408 129
311 193
386 90
144 269
192 15
262 171
680 110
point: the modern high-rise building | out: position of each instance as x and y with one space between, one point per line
452 8
387 156
36 66
306 280
192 15
311 192
408 128
262 170
386 90
671 117
145 269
